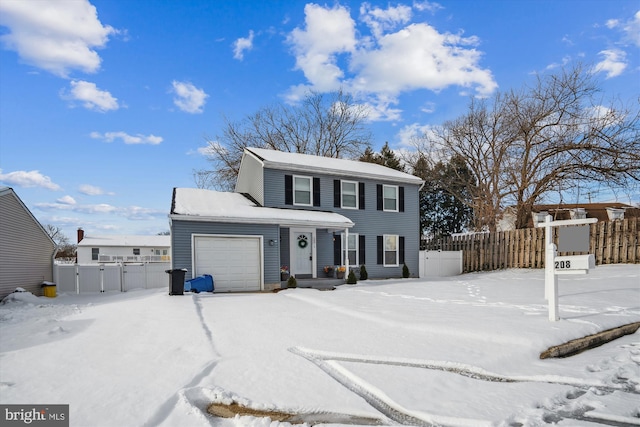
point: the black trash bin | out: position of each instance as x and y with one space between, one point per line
176 281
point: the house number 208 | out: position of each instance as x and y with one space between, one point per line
563 264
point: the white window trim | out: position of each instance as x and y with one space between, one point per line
342 195
384 250
384 208
345 245
310 190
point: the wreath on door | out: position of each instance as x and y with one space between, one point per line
302 241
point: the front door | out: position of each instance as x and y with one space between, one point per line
302 253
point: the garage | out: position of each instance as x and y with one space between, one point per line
235 262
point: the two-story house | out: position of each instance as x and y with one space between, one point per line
300 211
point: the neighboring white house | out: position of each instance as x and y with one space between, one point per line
119 248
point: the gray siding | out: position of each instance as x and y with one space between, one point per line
181 232
368 222
26 251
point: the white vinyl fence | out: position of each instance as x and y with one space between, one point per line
440 263
74 278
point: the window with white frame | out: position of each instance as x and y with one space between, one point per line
349 194
390 198
302 190
95 253
390 250
350 245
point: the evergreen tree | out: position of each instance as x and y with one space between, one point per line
444 199
386 157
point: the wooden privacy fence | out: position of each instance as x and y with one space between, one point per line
612 242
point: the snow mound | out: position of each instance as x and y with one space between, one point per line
20 296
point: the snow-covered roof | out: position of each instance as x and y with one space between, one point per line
126 240
196 204
308 163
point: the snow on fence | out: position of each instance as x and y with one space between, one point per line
76 278
611 242
440 263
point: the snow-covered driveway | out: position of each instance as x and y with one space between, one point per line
462 351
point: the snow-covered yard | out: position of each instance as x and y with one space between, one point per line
462 351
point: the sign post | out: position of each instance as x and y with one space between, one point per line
577 264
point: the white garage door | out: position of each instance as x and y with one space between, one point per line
234 262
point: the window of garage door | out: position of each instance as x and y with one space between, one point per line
235 262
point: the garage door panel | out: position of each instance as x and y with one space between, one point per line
234 262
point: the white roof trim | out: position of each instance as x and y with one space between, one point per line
193 204
326 165
138 241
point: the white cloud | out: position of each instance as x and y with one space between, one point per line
399 57
128 139
242 44
428 6
91 97
381 20
327 32
632 29
613 64
67 200
129 212
410 134
188 98
612 23
57 36
92 190
28 179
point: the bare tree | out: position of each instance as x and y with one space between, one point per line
65 248
525 144
323 125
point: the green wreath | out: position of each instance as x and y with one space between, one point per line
302 243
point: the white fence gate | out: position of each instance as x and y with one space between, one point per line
440 263
73 278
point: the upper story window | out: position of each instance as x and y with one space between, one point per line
349 194
95 253
136 251
302 190
390 198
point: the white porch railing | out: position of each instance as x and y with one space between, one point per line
134 258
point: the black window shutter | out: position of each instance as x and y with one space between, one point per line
337 250
401 197
361 195
316 191
380 248
288 189
401 249
336 193
379 196
361 250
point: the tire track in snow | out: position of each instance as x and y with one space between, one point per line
469 371
376 398
165 409
203 323
380 401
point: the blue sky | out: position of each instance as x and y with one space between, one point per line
106 105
